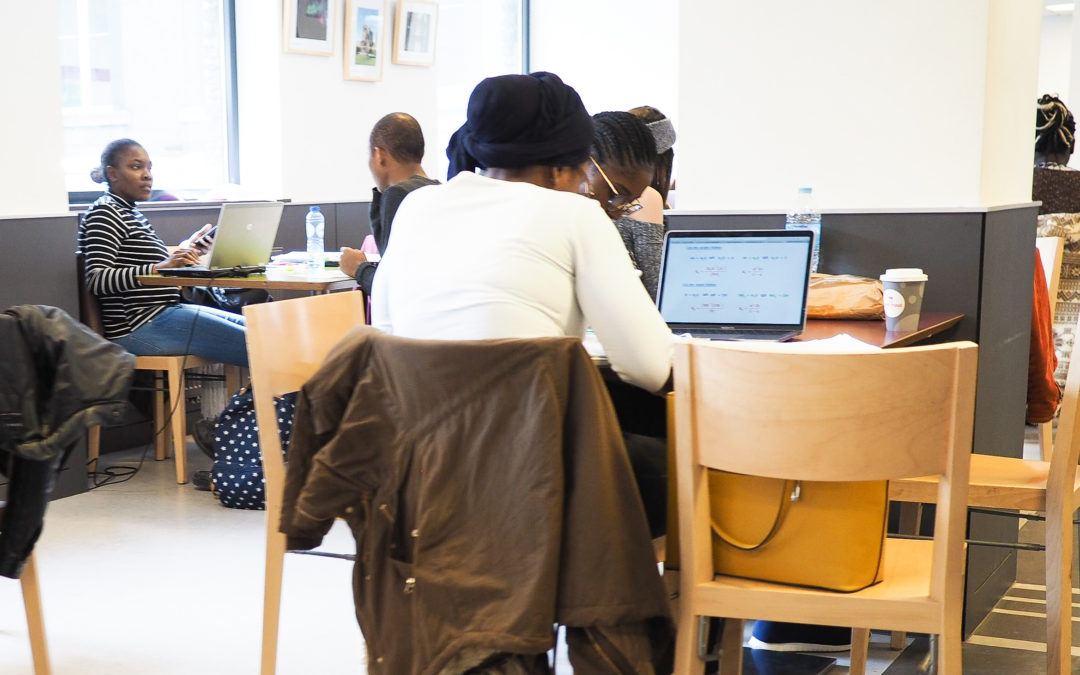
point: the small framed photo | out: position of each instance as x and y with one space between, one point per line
364 21
310 26
415 31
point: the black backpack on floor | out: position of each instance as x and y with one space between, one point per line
237 476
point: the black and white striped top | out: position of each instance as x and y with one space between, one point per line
119 243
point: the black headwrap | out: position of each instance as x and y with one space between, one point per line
521 120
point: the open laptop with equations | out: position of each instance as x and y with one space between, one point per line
243 240
735 284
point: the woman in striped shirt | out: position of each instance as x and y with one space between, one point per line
119 244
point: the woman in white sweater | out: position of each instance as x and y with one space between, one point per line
518 251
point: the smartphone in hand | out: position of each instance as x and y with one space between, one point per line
206 238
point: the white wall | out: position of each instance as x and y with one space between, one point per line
617 55
1055 56
1011 89
303 127
31 144
875 105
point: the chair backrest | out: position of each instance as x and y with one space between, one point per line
1060 483
765 410
287 341
89 309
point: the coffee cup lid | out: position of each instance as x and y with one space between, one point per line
903 274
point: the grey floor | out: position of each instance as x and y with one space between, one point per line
148 576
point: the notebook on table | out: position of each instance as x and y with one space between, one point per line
243 240
735 284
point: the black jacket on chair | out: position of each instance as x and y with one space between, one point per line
57 377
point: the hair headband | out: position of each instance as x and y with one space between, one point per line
663 133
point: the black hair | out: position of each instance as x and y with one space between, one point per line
110 156
1054 126
662 174
400 135
622 139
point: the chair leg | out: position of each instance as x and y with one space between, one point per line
35 618
161 439
730 648
1058 591
686 643
949 647
860 643
178 420
275 562
897 639
233 378
93 448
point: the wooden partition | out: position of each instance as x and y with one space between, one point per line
979 262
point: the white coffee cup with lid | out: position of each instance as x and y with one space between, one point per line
902 295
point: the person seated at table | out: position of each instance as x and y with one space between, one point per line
619 170
396 150
655 197
541 260
119 244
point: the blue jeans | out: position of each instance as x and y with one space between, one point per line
191 329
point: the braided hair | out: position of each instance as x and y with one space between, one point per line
662 176
110 156
622 139
1054 127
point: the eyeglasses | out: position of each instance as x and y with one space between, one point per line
620 204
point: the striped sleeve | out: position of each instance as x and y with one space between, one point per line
104 231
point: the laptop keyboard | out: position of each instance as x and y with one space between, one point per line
737 335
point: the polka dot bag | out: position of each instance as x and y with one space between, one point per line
237 475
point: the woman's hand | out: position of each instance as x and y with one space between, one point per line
196 241
181 257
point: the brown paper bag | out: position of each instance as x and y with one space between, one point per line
844 296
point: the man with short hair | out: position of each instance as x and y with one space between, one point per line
397 148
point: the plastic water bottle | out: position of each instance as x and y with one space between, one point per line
316 224
803 216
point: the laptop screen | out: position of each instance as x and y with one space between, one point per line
736 278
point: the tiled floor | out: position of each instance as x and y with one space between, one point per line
149 577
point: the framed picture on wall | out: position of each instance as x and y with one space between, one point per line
310 26
414 32
364 21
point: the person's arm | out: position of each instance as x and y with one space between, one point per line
380 308
647 240
103 233
652 207
615 304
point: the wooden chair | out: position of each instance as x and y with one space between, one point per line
1051 487
171 368
768 411
35 618
1051 250
287 342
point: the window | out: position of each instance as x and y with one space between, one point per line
156 71
496 46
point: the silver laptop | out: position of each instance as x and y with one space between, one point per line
735 284
243 240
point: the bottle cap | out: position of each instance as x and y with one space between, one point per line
316 209
806 190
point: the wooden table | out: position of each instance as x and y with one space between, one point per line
281 279
873 331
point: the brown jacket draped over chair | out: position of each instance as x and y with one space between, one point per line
489 492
